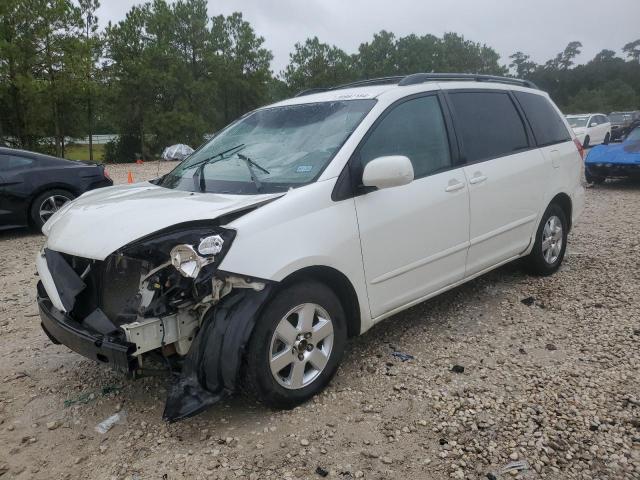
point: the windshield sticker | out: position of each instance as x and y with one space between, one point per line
304 169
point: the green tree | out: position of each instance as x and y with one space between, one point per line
243 66
632 50
91 52
522 65
378 58
314 64
132 75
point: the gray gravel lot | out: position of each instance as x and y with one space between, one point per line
553 382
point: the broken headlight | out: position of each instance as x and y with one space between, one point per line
189 247
211 245
187 261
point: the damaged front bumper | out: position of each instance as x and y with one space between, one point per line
116 311
111 349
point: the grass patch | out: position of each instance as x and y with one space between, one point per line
80 151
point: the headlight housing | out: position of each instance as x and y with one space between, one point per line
189 246
187 261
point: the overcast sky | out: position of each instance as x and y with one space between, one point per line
540 28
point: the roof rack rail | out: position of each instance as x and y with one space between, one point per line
358 83
309 91
371 81
416 78
471 77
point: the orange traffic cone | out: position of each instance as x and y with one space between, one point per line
130 177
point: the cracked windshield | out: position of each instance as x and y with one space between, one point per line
270 150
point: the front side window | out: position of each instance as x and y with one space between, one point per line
270 150
415 129
488 125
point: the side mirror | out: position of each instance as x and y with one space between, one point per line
593 124
387 172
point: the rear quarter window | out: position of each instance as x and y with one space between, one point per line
488 125
548 128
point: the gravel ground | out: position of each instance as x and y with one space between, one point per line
507 368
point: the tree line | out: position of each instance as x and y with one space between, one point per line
171 73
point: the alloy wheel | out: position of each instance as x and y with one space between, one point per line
552 238
51 205
301 346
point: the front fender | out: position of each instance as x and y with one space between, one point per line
303 229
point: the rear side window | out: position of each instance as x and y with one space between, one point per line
9 162
548 128
415 129
488 125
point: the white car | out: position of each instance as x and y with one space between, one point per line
306 222
591 129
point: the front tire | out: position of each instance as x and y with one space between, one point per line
296 346
46 204
585 144
607 138
550 243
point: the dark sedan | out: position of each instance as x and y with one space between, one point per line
34 186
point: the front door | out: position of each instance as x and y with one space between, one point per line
415 237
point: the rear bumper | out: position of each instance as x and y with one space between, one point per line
62 329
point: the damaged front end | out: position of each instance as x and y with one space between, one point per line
161 293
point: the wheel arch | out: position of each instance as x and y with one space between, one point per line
43 188
564 202
341 286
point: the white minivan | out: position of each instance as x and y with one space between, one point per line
306 222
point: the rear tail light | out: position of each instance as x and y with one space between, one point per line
579 147
106 173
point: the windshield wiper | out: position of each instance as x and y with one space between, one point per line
208 159
198 176
250 166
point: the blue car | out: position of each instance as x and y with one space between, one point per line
615 160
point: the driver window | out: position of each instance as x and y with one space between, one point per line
594 121
415 129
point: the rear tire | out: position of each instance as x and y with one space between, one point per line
585 144
550 242
296 346
46 204
607 139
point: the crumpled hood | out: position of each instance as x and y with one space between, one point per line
621 153
101 221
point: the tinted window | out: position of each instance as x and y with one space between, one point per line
594 121
8 162
488 124
415 129
547 126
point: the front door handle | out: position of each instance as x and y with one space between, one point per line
453 187
477 179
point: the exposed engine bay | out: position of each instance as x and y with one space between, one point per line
162 293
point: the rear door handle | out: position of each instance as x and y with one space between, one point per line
477 179
453 187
